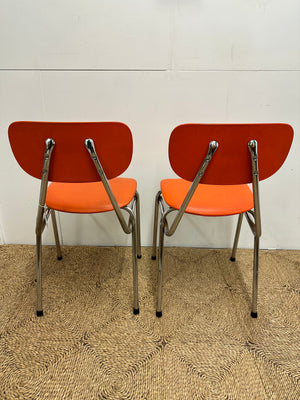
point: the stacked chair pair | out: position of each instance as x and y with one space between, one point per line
219 167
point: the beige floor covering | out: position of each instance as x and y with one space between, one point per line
89 345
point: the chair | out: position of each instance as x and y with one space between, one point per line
215 163
83 162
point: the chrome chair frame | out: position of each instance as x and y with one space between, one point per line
131 227
252 216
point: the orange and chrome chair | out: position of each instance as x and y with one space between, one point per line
83 161
216 162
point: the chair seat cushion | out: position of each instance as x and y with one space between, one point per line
91 197
208 200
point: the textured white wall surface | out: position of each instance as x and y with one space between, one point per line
153 65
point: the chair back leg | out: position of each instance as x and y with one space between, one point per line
155 223
56 237
237 236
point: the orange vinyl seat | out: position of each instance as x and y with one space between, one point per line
79 164
215 164
90 197
208 200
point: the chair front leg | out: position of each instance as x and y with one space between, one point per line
39 311
138 225
134 265
56 237
160 267
236 238
255 277
41 219
155 223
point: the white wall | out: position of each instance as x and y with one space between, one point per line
151 64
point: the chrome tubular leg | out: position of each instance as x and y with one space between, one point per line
41 220
155 223
138 225
236 238
135 268
39 311
255 277
160 268
58 249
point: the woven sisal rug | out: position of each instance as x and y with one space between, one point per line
89 345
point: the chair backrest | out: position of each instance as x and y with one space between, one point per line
70 161
231 163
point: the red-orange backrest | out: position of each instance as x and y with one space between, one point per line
231 163
70 161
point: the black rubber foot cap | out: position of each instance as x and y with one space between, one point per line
136 311
153 257
139 257
232 258
39 313
59 258
253 314
159 314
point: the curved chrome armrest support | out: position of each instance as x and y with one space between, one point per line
213 145
89 144
252 146
40 221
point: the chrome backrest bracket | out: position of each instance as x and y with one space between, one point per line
252 146
213 145
89 144
49 146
